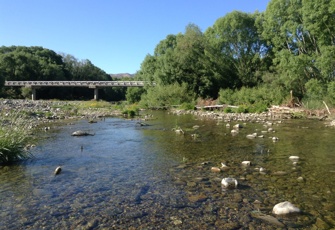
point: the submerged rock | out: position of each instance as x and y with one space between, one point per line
285 208
252 136
58 170
215 169
81 133
294 158
229 183
275 139
267 218
246 163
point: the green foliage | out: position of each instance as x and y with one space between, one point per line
187 106
26 92
166 96
315 89
263 94
130 111
134 94
94 104
228 110
298 115
254 100
237 37
20 63
301 36
331 93
14 135
313 104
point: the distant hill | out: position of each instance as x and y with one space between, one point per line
121 75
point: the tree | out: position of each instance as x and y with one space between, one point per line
236 37
302 37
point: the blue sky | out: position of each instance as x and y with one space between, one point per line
115 35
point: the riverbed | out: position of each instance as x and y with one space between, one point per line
136 174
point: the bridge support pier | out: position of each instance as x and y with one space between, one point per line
96 93
33 93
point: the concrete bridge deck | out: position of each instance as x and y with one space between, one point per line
90 84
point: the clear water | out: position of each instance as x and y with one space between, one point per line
148 177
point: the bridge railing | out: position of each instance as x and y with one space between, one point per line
80 83
91 84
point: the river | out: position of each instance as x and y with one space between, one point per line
132 176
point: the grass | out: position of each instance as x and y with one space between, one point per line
14 135
94 104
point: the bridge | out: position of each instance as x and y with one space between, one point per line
90 84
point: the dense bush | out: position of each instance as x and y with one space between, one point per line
14 135
256 99
166 96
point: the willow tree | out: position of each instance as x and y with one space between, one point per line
237 39
184 59
302 36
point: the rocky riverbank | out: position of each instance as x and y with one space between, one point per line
274 113
40 112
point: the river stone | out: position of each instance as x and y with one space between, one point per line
58 170
237 126
275 139
267 218
215 169
191 184
231 225
81 133
321 224
229 183
175 220
246 163
237 197
197 198
300 179
294 158
284 208
280 173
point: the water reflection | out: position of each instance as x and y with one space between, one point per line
129 175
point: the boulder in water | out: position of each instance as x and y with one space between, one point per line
81 133
58 170
285 208
229 183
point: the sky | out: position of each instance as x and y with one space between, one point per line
115 35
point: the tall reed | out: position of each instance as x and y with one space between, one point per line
14 135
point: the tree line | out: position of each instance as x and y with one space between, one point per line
253 59
249 58
20 63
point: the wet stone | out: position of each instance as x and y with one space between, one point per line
321 224
231 225
237 197
197 198
191 184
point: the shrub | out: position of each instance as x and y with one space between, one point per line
166 96
187 106
331 92
256 99
14 135
228 110
315 89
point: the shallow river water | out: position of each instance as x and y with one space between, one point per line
129 176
